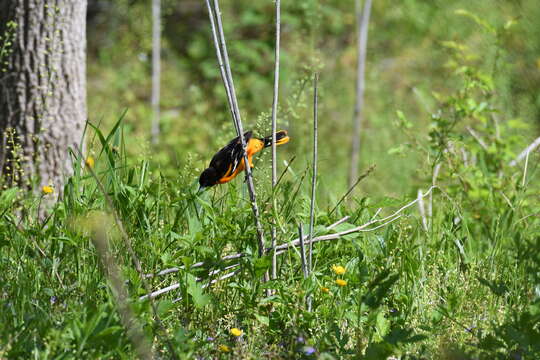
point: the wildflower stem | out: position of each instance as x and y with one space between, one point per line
302 251
314 175
274 129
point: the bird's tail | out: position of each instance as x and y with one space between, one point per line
281 138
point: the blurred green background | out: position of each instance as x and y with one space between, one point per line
409 60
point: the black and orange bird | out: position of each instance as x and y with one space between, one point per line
229 161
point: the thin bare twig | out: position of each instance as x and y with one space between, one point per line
305 269
220 63
527 150
362 228
156 67
281 249
477 137
362 38
228 257
422 209
226 276
229 86
339 222
525 169
274 129
362 177
287 166
314 175
295 243
177 284
436 170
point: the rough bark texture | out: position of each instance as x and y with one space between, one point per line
42 90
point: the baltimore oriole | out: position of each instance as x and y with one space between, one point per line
229 161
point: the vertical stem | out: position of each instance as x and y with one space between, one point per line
362 38
433 183
422 209
314 177
220 63
229 87
305 270
274 129
156 67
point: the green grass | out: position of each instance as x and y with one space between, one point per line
465 288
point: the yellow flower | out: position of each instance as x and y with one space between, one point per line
236 332
224 348
338 269
90 162
47 190
341 282
538 63
325 289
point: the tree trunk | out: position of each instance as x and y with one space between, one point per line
42 90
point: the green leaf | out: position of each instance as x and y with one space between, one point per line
163 307
261 265
262 319
481 22
197 293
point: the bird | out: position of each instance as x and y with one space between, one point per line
228 162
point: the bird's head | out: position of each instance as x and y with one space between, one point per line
208 178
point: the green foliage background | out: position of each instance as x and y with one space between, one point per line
408 61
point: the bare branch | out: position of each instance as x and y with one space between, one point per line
362 38
362 177
477 137
156 67
526 151
229 84
305 269
436 170
422 210
220 63
228 257
274 129
281 249
177 284
314 175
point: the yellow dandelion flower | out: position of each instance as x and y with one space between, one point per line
538 63
325 289
90 162
47 190
236 332
338 269
341 282
224 348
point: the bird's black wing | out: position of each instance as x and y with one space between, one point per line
227 160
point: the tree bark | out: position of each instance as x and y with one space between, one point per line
42 90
